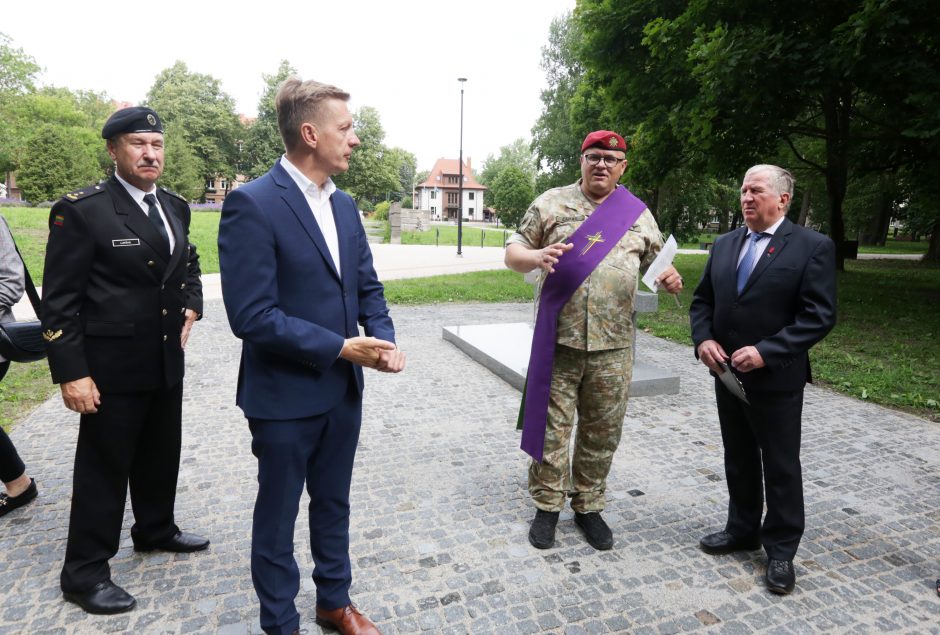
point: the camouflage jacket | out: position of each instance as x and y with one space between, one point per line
599 315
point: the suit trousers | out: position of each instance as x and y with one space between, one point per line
762 454
11 465
320 451
133 438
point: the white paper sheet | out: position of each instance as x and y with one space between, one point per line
662 262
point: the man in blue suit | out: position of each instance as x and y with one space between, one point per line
298 280
767 295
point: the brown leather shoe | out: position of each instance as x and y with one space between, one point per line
347 620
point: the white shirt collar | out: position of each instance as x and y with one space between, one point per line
306 185
772 229
136 193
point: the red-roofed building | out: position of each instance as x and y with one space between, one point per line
440 192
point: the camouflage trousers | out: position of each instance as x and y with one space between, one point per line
594 386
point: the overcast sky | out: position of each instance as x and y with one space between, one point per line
402 58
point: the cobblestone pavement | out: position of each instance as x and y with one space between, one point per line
440 513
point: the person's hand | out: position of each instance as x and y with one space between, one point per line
547 257
711 353
81 395
746 359
391 361
670 280
365 351
187 326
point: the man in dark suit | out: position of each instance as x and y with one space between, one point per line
121 291
297 280
767 295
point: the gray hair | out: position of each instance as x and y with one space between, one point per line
298 102
781 180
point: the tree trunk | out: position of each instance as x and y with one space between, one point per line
877 229
805 207
837 107
933 250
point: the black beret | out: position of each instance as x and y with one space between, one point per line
133 119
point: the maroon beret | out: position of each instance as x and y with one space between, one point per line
604 139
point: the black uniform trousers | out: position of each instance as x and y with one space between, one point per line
762 455
11 465
134 437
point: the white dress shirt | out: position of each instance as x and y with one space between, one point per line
138 195
319 201
761 244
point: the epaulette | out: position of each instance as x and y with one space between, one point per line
85 192
172 193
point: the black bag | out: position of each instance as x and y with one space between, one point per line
23 341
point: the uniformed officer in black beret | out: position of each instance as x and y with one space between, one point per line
121 291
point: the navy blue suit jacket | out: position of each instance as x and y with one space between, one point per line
286 301
787 305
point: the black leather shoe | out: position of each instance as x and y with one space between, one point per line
182 542
721 542
542 531
595 530
780 576
105 598
9 503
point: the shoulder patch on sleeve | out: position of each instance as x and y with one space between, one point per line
85 192
173 194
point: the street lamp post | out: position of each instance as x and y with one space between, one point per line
460 184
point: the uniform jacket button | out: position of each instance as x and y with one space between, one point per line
164 338
150 263
164 311
183 286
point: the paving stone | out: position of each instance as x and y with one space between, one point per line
440 512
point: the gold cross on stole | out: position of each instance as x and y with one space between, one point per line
592 240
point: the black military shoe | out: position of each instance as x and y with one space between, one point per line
721 542
542 531
105 598
181 542
780 576
595 530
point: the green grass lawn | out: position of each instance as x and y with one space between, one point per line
447 235
891 246
885 347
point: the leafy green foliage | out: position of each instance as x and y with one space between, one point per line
182 168
517 154
381 210
374 171
55 161
512 195
264 145
201 112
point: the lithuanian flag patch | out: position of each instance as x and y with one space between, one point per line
59 220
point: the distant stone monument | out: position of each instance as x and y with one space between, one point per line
394 219
504 349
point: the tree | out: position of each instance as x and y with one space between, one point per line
17 73
182 169
204 114
53 163
731 78
512 195
264 144
517 154
371 176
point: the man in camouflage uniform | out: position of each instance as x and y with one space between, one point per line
594 344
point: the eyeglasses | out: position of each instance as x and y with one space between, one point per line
609 161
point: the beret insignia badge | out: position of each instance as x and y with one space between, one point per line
612 142
151 120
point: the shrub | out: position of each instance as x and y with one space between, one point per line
381 210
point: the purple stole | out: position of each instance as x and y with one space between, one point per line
592 241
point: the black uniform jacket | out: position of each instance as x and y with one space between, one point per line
114 298
787 305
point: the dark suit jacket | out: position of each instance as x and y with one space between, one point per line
287 303
787 305
113 298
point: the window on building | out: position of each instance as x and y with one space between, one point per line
471 196
452 198
433 194
434 209
470 211
223 184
